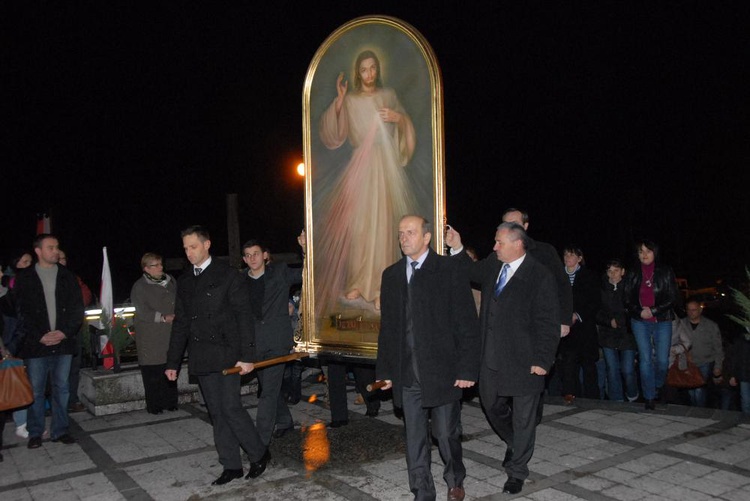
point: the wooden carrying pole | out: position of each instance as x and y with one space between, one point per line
267 363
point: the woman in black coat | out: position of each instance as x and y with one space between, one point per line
579 350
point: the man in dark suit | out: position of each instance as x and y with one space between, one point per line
213 320
428 351
520 326
268 285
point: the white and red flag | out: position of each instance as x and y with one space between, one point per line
105 297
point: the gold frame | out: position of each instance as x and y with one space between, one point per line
351 337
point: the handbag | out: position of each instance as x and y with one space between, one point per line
690 377
15 388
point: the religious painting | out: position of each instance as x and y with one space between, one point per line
373 150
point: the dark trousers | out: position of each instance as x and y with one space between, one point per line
233 427
363 375
515 419
161 393
443 421
291 387
571 363
272 409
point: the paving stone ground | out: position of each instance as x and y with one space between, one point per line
591 450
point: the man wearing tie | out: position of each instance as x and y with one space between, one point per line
428 351
520 324
214 321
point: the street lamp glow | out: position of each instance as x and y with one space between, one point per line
301 169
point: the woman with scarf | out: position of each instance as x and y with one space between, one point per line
650 297
153 296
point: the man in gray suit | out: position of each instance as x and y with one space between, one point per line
213 320
520 324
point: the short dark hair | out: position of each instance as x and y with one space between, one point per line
574 249
516 232
614 263
253 243
524 214
200 231
40 238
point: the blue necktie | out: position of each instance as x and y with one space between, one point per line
500 285
413 270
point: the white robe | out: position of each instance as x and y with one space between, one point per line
356 235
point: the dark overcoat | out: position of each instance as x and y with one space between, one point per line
33 321
213 320
520 328
547 255
586 302
445 327
273 331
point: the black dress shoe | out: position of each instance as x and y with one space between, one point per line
513 485
338 423
34 443
508 456
650 405
258 467
227 476
66 439
372 413
280 432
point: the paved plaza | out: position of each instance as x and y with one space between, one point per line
592 450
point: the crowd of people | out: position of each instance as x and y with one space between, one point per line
533 324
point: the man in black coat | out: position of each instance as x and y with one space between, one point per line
519 320
428 351
213 320
50 312
547 255
268 285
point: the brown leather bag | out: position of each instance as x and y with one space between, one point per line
690 377
15 388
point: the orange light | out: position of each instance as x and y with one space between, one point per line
312 398
301 169
316 448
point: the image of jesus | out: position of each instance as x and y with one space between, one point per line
356 234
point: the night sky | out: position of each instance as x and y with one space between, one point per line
606 120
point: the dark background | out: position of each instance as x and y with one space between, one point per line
606 120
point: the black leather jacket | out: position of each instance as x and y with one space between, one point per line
665 292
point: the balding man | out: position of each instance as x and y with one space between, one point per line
428 351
